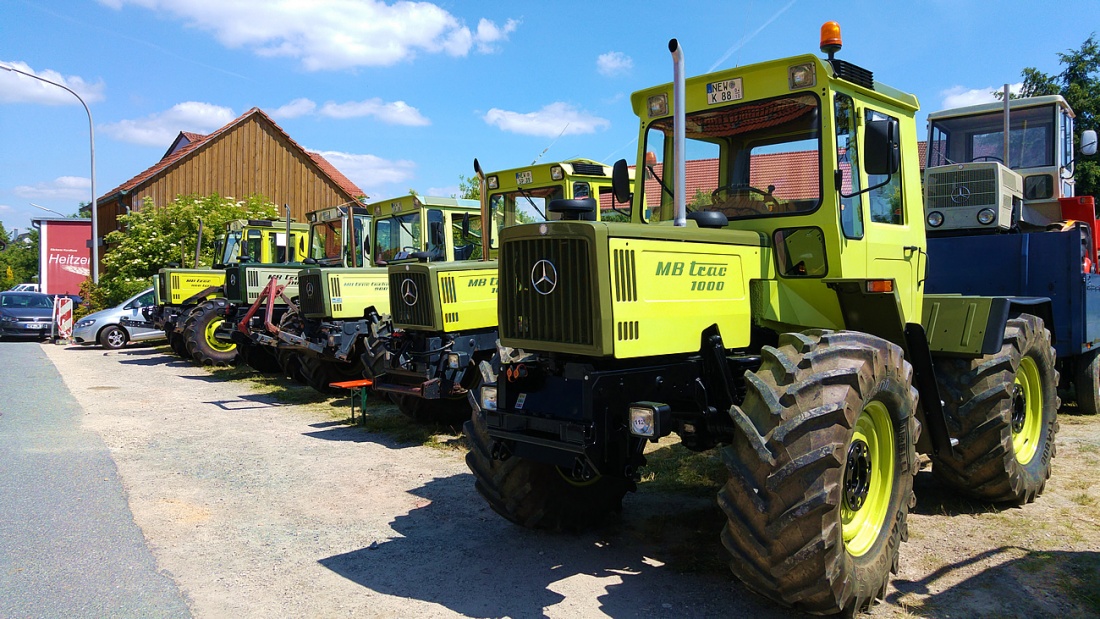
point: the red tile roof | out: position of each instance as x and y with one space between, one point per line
196 141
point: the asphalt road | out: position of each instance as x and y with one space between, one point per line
69 546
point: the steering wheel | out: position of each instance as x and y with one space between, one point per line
410 249
989 157
770 203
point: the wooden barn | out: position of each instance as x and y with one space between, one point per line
249 156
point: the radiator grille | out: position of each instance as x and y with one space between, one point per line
565 314
946 189
311 295
335 294
627 330
405 287
626 281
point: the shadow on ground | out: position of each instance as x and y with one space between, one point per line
663 559
1023 583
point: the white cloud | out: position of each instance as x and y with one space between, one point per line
16 88
294 109
442 192
553 120
61 188
370 172
614 63
333 34
4 207
394 113
960 96
160 129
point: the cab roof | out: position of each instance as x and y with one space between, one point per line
999 106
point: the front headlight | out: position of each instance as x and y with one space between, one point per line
488 398
8 319
935 219
85 323
986 216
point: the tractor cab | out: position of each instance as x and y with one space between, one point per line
333 241
425 228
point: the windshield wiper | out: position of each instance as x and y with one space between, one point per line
532 202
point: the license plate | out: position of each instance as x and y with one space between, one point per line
524 178
35 326
724 91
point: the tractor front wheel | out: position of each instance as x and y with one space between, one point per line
821 471
320 374
1086 382
199 330
1003 408
537 495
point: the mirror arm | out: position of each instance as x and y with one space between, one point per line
838 179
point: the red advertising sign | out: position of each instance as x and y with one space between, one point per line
64 257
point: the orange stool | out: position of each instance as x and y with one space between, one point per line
352 385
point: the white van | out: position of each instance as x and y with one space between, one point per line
25 288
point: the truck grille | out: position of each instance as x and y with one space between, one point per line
414 287
564 314
946 189
311 295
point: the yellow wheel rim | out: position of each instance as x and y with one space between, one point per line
868 479
214 342
1027 411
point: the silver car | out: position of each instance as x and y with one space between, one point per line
105 327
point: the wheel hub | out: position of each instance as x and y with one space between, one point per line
1019 409
857 475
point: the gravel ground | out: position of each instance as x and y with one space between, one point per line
257 508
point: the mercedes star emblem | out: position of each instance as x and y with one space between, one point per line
309 289
408 292
232 279
960 194
544 277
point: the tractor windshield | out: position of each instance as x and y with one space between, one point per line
327 246
396 236
981 137
226 248
523 206
754 159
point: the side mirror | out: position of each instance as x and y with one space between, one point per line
465 226
437 233
1088 142
881 152
620 181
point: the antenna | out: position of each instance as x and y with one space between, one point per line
551 144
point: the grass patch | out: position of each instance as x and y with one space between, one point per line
1083 498
1079 578
674 468
386 419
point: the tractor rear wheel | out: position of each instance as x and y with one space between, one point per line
821 471
536 495
320 374
1003 408
199 330
1086 382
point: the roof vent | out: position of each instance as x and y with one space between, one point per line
854 74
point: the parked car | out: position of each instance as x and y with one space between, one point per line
25 314
106 329
25 288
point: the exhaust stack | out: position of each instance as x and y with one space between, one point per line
679 186
198 245
286 256
486 222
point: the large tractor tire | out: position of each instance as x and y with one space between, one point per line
259 358
537 495
176 341
199 330
1086 382
320 374
291 364
375 354
821 471
1003 408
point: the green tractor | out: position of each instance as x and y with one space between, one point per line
782 320
181 295
445 313
344 313
338 238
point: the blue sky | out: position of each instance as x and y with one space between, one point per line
405 95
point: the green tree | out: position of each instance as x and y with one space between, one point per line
469 188
18 258
1079 83
154 236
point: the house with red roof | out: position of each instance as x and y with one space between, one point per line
251 155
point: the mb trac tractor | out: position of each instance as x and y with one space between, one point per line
782 320
338 239
179 293
345 312
1017 225
445 314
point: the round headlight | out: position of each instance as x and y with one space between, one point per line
986 216
935 219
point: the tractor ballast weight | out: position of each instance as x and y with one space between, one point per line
797 336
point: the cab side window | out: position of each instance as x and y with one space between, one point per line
885 202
